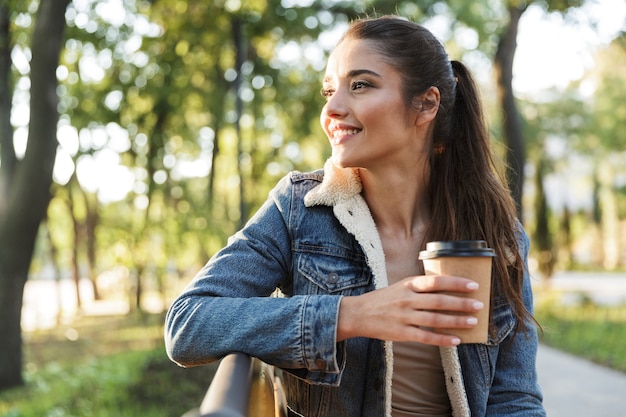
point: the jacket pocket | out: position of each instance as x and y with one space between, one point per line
332 274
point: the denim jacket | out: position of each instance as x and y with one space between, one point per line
314 239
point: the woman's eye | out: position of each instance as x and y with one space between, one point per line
359 85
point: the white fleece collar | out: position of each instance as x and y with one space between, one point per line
338 184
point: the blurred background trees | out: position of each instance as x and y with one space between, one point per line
175 118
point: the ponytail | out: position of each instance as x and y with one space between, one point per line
467 119
469 199
460 160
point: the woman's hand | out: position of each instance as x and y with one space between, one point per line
409 310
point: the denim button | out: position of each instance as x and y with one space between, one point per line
321 364
333 278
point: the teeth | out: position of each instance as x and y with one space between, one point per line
344 132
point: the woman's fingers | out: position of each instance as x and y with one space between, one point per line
431 319
443 302
429 337
435 283
441 292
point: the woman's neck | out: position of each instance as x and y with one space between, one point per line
397 200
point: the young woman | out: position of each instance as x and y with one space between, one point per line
355 327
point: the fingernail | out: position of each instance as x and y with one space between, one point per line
472 320
472 285
478 305
456 341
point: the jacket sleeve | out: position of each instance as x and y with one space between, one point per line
228 308
515 391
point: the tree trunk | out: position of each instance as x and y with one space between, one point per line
511 124
138 287
54 261
597 254
26 193
91 222
219 115
566 232
610 217
543 235
238 40
9 160
76 244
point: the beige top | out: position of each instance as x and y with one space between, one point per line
418 384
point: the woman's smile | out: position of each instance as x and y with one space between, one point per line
339 133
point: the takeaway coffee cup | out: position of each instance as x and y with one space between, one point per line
469 259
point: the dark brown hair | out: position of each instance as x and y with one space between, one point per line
468 198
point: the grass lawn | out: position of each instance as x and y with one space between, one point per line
104 366
585 329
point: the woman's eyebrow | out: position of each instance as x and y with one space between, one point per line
355 73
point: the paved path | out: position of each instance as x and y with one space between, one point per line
575 387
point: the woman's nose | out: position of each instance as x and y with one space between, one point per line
336 105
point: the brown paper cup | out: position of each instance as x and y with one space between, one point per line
468 259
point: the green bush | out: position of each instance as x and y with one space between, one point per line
116 368
141 383
585 329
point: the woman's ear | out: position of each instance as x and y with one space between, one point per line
427 105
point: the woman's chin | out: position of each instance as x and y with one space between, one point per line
340 161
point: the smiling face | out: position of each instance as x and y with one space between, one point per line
365 117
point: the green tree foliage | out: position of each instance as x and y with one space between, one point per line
608 109
584 122
202 106
603 139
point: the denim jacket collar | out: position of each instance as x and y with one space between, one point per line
341 189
